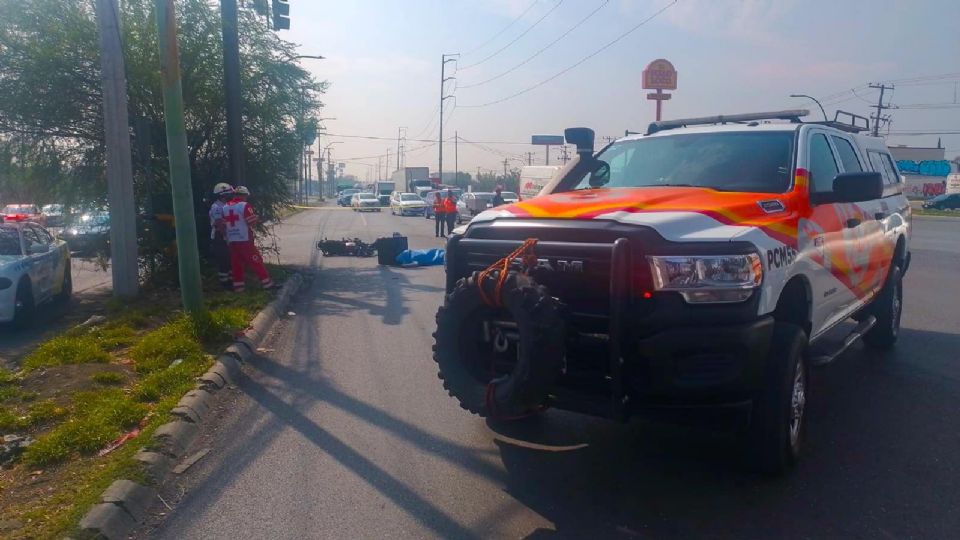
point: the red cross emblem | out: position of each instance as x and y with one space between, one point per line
232 218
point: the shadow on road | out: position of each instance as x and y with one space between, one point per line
377 290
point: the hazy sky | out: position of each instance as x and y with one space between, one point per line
732 56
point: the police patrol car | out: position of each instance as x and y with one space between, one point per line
701 266
34 268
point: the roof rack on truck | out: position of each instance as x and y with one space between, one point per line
793 115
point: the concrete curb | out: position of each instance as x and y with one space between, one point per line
923 217
125 504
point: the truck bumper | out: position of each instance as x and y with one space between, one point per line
698 365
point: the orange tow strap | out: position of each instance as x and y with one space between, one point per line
525 252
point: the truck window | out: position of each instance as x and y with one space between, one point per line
823 166
759 162
848 156
881 164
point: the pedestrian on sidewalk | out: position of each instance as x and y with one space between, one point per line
239 219
218 240
450 210
439 215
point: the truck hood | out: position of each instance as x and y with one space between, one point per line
684 213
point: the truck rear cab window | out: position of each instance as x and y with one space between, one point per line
881 163
848 156
823 165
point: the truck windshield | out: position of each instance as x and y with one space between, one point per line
733 161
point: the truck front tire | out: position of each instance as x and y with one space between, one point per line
887 308
776 431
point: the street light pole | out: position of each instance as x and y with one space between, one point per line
814 100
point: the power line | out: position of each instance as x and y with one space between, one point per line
516 39
536 54
377 138
581 61
505 28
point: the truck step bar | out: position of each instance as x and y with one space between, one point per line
825 352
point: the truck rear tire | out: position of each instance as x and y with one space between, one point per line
465 360
775 435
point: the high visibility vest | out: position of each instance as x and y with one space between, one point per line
438 207
238 217
449 206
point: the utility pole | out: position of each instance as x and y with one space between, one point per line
400 136
443 79
880 107
564 157
116 127
456 156
386 164
188 258
505 163
231 86
529 158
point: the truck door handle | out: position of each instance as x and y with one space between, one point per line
852 222
879 216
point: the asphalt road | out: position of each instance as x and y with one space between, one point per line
342 430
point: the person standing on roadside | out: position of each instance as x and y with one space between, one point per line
450 210
498 198
439 214
218 241
239 220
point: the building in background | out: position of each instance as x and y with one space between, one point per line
925 169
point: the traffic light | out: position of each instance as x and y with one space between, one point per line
281 15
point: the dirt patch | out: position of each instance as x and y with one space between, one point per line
60 382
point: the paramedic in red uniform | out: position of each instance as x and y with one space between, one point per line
239 219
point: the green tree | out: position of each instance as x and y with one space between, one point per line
51 126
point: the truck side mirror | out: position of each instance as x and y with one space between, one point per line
853 187
580 137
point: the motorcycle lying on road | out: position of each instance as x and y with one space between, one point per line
346 247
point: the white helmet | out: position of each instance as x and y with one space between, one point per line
241 190
222 188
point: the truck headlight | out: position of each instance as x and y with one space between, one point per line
708 279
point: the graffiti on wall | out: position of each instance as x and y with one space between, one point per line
917 188
927 167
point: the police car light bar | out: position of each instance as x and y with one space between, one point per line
793 115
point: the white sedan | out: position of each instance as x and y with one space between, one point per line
34 268
407 203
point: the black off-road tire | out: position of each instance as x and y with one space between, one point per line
465 370
887 308
773 442
24 309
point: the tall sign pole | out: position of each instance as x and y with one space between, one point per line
188 257
659 75
116 127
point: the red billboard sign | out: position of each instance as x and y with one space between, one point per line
660 75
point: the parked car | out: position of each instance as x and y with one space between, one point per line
343 199
471 204
53 214
34 269
509 197
947 201
23 212
365 202
90 233
407 204
431 197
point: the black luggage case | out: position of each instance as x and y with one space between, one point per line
389 247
